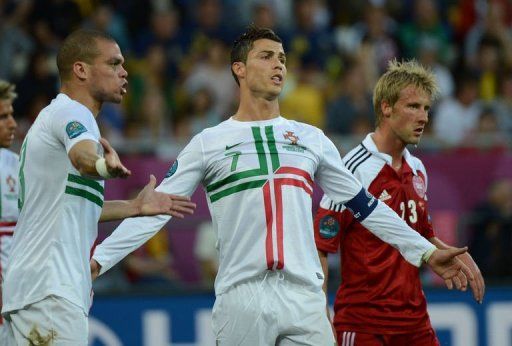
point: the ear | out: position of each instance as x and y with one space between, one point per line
80 70
386 109
238 69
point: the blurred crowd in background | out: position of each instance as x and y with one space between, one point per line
177 57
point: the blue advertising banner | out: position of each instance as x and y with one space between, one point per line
185 320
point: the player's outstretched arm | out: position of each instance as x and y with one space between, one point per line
147 203
85 158
444 262
477 286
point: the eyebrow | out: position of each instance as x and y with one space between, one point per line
115 60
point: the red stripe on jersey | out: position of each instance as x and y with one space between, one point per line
268 218
278 190
296 171
8 224
6 233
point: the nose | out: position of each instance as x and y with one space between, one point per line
424 116
124 73
12 122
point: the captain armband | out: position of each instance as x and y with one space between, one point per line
362 205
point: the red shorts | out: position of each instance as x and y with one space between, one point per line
424 338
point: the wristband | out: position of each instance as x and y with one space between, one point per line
426 255
101 168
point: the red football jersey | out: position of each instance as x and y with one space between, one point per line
380 291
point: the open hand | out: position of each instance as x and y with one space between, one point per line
446 264
150 202
114 166
478 285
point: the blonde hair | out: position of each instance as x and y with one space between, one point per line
398 76
7 90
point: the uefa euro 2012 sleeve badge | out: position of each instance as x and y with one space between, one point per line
329 227
75 129
172 169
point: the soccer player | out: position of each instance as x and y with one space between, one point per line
8 181
258 169
380 300
47 284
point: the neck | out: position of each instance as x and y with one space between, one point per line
388 143
77 93
253 108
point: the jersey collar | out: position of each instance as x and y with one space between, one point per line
372 148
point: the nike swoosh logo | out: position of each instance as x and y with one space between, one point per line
232 146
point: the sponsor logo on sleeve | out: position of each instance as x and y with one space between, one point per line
172 169
329 227
75 129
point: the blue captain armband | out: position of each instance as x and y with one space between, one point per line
362 205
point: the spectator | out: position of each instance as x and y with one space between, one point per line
353 107
426 24
503 103
457 116
152 263
491 222
214 74
495 25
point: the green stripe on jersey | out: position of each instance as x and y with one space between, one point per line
237 188
262 170
85 194
271 142
87 182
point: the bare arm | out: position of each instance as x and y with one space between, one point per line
84 155
478 285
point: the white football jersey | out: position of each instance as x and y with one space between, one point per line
59 211
8 203
258 178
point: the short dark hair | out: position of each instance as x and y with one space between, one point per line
80 45
243 44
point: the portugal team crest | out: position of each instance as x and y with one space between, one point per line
11 182
419 186
291 137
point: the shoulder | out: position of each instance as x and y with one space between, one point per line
357 157
303 126
417 164
9 157
363 164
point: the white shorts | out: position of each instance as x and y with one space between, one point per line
51 321
271 310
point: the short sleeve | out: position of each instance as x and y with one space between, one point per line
74 124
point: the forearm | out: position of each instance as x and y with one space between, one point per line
130 235
118 210
83 156
384 223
